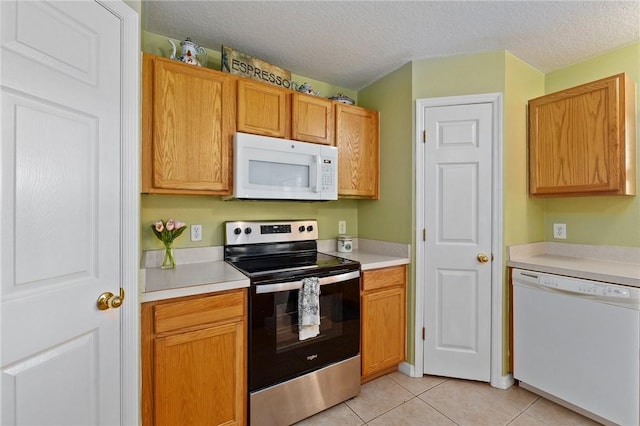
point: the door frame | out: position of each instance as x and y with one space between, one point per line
130 209
497 288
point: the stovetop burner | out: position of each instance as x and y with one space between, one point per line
275 250
285 263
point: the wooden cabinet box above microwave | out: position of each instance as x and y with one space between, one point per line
188 122
582 140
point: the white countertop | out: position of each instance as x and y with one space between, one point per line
203 270
618 265
371 260
190 279
372 254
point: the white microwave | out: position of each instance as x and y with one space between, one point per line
279 169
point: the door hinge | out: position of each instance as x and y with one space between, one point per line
424 235
424 136
424 333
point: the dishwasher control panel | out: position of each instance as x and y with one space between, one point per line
583 286
616 294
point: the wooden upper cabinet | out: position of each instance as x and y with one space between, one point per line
312 119
582 140
188 124
357 139
263 109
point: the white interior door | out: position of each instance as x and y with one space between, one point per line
61 221
458 222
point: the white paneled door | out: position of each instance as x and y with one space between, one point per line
61 205
457 256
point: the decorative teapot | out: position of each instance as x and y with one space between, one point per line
190 52
304 88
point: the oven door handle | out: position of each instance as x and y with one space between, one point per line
297 285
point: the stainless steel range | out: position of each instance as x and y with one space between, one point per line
291 375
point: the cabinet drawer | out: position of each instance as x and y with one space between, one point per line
385 277
182 314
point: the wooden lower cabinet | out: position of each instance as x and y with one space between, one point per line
383 322
194 360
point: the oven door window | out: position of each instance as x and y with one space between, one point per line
277 354
286 320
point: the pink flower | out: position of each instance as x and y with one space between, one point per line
169 230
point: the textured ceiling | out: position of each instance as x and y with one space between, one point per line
353 43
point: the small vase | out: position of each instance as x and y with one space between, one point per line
168 262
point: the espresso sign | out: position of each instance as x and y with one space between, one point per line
238 63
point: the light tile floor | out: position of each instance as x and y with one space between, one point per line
396 399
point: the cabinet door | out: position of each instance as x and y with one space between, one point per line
312 119
198 377
194 360
383 323
263 109
188 125
357 139
582 140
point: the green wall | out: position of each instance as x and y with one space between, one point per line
522 216
458 75
211 212
390 217
610 220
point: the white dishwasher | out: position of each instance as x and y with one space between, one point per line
578 342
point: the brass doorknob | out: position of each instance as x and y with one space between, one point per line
483 258
109 300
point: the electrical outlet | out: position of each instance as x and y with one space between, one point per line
196 232
342 227
560 231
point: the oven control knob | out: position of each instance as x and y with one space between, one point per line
237 231
309 228
247 231
301 228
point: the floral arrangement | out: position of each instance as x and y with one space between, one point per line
167 232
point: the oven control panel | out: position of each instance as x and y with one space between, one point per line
254 232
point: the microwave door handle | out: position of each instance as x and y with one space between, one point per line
318 172
297 285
